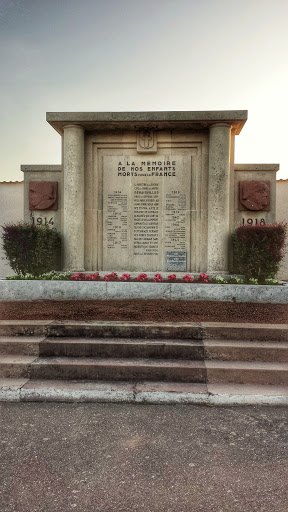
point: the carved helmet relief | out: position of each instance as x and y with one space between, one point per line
254 195
146 139
43 195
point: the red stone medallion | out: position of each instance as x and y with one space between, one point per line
254 195
43 195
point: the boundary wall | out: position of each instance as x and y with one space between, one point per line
11 210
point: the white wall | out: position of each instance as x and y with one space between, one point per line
11 210
282 215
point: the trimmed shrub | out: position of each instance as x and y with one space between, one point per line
258 250
31 249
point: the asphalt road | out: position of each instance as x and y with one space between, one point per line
172 458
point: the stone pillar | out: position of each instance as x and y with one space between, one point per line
73 166
218 198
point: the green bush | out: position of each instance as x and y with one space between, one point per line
31 249
258 250
48 276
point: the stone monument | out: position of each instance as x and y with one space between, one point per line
148 191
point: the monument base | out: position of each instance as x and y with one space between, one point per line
103 290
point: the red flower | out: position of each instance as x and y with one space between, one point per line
93 277
111 277
158 278
80 276
142 277
188 279
125 277
203 278
172 277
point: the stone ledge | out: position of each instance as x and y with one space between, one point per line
173 115
163 119
39 168
256 167
85 290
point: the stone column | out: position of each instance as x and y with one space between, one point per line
218 198
73 165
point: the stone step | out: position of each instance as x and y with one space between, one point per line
24 327
227 350
135 369
241 372
118 369
20 345
12 366
234 350
244 331
146 330
121 347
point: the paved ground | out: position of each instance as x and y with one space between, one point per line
110 457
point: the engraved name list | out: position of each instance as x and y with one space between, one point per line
145 204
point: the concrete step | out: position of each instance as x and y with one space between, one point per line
244 331
12 366
118 369
122 347
234 350
147 330
24 327
134 351
135 369
241 372
20 345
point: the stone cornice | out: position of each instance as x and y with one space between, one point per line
176 120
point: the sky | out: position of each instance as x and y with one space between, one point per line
138 55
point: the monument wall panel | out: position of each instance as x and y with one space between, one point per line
146 206
44 215
246 199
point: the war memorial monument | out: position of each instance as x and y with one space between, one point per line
149 191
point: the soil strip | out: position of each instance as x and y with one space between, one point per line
144 310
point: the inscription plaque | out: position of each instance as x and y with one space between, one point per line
175 220
117 220
176 260
146 211
146 219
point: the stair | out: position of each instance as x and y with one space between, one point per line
190 363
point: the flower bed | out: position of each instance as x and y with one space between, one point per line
142 277
80 276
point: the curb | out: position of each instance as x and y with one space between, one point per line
25 391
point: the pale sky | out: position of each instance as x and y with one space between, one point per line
122 55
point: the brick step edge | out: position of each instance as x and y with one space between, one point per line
25 390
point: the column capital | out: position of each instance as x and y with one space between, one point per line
73 126
220 125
